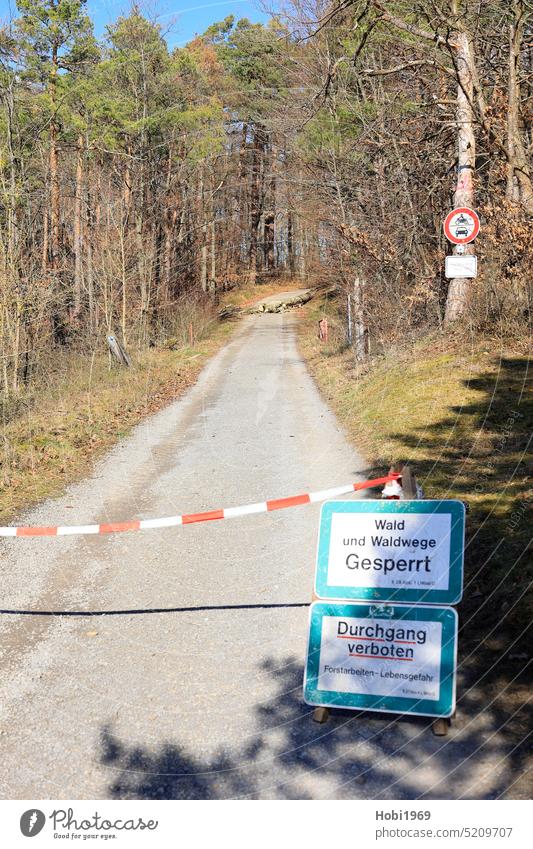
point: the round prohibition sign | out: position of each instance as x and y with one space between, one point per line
461 225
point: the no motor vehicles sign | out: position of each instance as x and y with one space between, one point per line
393 659
461 225
402 551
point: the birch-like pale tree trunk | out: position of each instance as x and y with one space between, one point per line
461 45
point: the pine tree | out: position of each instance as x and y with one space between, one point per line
56 35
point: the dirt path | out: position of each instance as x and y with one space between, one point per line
189 686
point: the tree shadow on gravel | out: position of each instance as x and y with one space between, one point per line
352 756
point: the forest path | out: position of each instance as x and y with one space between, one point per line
154 702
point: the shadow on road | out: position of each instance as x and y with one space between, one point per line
143 610
354 755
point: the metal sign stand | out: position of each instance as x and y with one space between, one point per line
441 725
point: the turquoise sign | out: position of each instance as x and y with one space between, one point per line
387 658
401 551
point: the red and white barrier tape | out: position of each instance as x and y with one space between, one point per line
190 518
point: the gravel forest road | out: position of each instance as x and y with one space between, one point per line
111 689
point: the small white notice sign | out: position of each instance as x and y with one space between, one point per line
461 266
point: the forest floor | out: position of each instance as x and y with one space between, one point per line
81 404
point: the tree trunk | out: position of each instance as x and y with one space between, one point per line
519 186
270 216
269 223
169 222
89 242
213 278
54 175
44 256
301 230
255 204
457 298
170 227
360 328
78 246
126 193
122 233
290 242
11 220
240 253
90 280
203 231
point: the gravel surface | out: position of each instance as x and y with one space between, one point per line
148 700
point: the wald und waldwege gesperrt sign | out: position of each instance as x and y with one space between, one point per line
401 551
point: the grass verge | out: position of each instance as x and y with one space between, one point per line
460 411
88 405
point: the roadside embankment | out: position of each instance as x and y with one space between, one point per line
460 411
52 435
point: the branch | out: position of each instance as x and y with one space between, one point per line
399 23
415 63
364 39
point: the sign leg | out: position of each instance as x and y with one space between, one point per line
441 726
321 714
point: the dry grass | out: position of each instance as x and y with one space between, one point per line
460 412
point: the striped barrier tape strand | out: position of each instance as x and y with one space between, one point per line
190 518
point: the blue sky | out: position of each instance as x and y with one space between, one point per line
184 18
